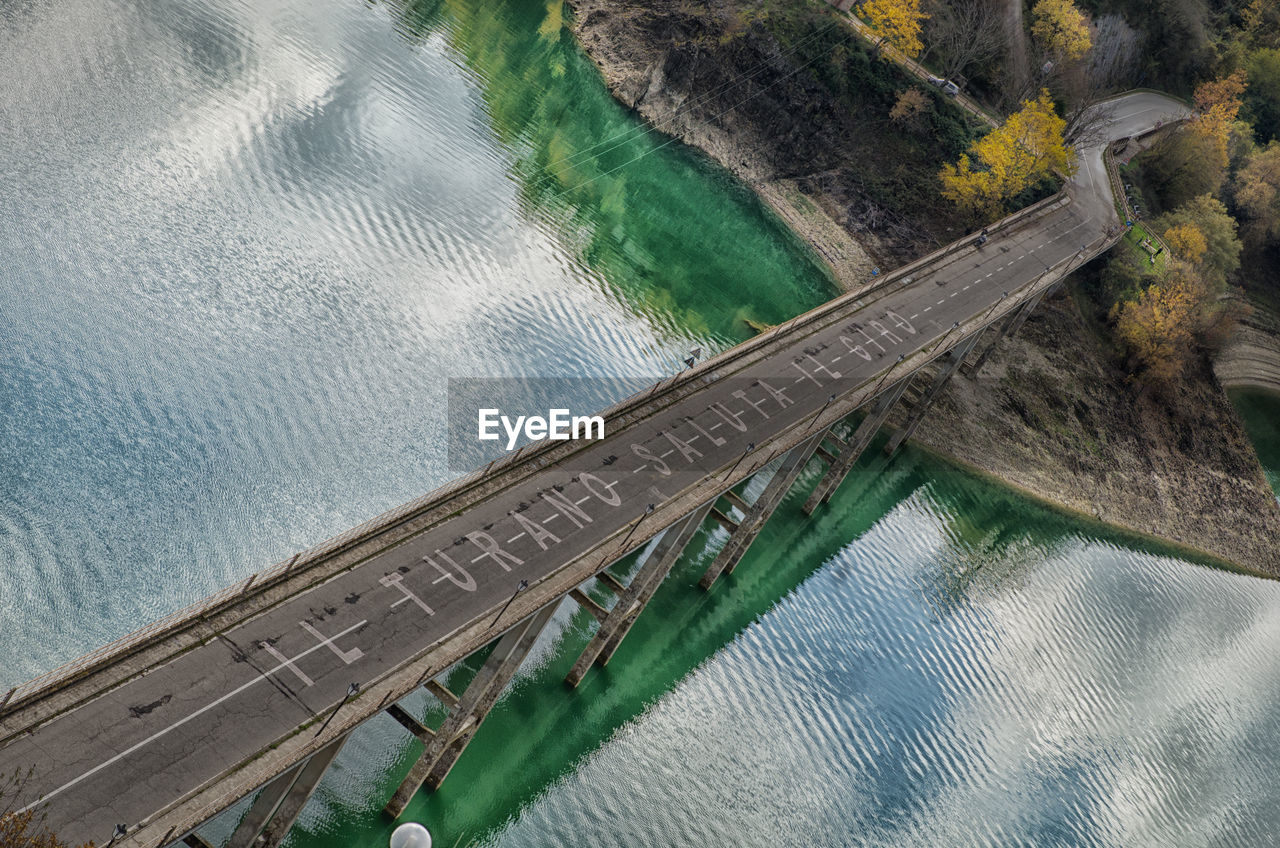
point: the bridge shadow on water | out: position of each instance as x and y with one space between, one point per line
971 539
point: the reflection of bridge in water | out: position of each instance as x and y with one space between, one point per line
260 686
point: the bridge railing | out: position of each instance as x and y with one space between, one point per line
533 455
1123 207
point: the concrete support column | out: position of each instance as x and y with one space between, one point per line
856 445
636 595
1010 326
262 809
945 373
279 803
448 743
758 513
299 794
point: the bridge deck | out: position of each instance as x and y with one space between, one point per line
164 750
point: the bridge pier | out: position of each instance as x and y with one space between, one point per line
280 802
856 445
948 369
1010 326
469 710
635 596
742 535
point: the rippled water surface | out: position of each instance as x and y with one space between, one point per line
243 245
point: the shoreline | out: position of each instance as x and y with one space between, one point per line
1163 483
1171 547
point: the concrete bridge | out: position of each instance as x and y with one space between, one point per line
257 688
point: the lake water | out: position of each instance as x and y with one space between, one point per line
244 245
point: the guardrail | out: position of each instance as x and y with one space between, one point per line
1121 199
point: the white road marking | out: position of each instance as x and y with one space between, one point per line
515 537
288 663
347 657
180 722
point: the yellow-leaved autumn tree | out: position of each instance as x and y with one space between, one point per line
1217 105
1027 147
1187 241
898 22
1159 326
1060 29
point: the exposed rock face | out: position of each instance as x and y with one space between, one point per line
1050 414
1251 357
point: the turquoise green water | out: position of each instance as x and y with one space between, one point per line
257 242
1260 412
929 661
257 239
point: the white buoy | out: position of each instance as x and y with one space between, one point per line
410 835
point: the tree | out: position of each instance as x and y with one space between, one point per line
1221 255
1083 85
1060 29
1157 326
1262 24
20 829
964 33
1186 241
1262 97
1256 190
896 21
1182 166
1011 158
909 107
1217 105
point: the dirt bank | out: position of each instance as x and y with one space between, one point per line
1050 414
